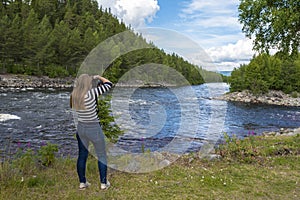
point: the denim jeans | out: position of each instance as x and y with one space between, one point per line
86 133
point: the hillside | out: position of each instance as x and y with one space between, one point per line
52 38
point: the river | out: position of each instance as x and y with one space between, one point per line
153 116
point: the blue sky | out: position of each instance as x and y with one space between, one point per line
211 26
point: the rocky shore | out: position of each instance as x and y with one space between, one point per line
283 132
25 81
272 98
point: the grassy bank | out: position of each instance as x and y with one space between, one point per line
254 168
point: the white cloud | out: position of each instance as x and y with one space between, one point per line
215 26
241 50
232 55
210 13
134 12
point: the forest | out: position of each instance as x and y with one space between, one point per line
267 72
53 37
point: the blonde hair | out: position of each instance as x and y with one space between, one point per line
82 85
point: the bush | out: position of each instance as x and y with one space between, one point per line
46 154
255 149
27 160
244 151
294 94
53 71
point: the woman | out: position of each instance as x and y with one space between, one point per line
84 102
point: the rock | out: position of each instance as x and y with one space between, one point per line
24 81
272 97
212 157
164 163
283 132
297 131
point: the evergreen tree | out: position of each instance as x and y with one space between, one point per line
14 41
53 37
43 56
30 37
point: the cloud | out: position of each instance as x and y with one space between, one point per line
232 55
241 50
215 26
217 13
134 12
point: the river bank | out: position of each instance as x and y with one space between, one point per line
26 81
272 98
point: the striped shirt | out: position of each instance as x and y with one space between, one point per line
90 101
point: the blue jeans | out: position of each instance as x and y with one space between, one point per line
86 133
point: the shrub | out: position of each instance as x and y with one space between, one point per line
27 160
110 128
244 151
46 154
53 71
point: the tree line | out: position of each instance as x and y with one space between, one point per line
267 72
53 37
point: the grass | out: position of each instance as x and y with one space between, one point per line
253 168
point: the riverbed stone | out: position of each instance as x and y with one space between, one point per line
25 81
272 97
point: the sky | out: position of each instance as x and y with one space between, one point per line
205 26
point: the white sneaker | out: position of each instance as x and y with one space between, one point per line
105 186
82 186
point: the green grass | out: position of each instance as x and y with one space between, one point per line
254 168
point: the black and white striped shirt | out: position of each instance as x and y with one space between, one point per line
90 101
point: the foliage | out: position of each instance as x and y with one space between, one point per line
46 154
27 160
264 73
52 38
272 23
192 73
254 149
107 121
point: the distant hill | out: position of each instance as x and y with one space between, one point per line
225 73
53 38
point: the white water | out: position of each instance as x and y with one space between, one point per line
5 117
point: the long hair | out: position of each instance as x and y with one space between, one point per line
82 85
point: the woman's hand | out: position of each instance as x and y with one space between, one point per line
101 78
96 77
